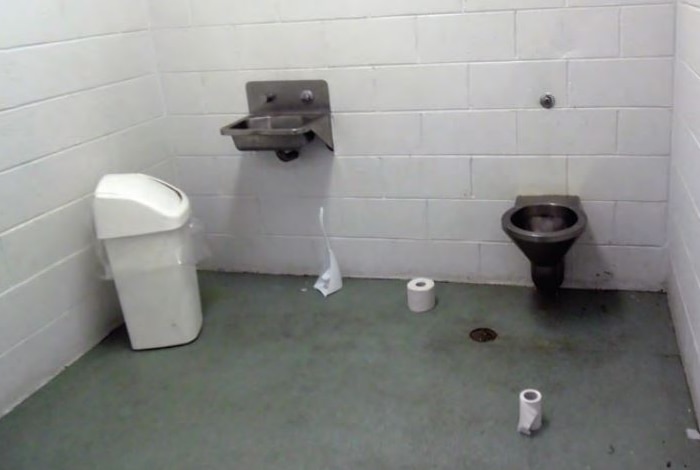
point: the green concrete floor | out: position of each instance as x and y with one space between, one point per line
284 379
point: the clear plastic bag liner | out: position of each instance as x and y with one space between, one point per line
105 272
200 247
186 246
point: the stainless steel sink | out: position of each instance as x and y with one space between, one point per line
285 115
272 132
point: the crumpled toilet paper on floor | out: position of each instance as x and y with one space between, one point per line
330 280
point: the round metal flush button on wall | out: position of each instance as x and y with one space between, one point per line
548 101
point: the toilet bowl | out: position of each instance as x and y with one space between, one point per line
544 228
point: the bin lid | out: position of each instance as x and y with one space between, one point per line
135 204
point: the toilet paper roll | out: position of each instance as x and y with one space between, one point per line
530 411
421 294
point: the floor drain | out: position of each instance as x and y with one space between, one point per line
483 335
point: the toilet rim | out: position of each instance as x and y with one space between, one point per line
545 237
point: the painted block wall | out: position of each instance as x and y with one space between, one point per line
79 97
437 128
684 213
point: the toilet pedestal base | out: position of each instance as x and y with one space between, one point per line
547 279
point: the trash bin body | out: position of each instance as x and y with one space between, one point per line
143 223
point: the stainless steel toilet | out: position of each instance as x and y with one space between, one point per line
544 228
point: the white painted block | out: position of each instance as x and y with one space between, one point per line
33 22
640 223
516 84
486 5
384 41
683 293
319 174
686 160
132 150
382 218
446 260
346 177
426 177
209 12
310 10
29 250
225 92
280 45
686 216
601 220
644 132
468 133
75 118
199 135
450 261
33 202
566 33
197 49
685 265
238 175
276 179
31 364
68 175
376 134
503 263
619 178
268 254
474 221
647 31
233 216
687 96
351 89
40 300
578 3
363 257
618 267
36 73
292 10
295 217
421 87
640 82
302 10
507 178
5 271
169 13
198 175
466 37
287 255
687 43
184 93
411 7
164 170
567 131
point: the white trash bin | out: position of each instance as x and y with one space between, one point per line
144 224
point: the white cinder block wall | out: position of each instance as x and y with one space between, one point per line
79 97
437 128
684 220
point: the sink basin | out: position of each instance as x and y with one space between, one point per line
287 124
284 116
273 132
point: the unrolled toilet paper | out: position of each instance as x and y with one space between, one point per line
421 294
530 411
330 280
